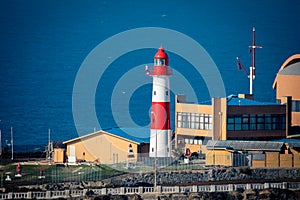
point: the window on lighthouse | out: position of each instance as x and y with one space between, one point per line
159 62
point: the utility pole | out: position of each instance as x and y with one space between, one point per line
12 143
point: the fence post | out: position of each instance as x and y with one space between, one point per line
266 185
195 188
158 189
213 188
176 189
10 195
248 186
67 193
285 185
122 190
231 187
29 195
48 195
85 191
103 191
141 190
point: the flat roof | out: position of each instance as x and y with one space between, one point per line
235 101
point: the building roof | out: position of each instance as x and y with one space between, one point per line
290 142
135 135
245 145
139 135
233 100
289 62
293 69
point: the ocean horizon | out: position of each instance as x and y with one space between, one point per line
44 44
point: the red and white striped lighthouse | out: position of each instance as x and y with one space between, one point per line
160 134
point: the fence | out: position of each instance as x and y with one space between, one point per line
37 175
142 190
148 164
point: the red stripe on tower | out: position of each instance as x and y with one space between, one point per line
160 129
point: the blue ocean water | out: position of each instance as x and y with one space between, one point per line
43 44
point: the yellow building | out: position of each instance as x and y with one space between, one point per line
230 118
280 153
287 83
109 146
243 153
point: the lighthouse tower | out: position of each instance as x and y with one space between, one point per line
160 134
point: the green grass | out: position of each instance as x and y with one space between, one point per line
57 174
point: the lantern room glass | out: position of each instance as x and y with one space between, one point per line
159 62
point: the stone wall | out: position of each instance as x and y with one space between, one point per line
217 174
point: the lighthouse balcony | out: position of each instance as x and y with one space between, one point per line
159 71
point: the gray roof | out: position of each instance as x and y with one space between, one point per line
290 142
245 145
293 69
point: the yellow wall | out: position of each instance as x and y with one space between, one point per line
272 160
219 118
104 148
286 160
59 155
258 163
219 157
194 147
296 160
193 108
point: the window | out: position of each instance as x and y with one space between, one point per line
167 93
154 92
295 106
159 62
194 121
256 122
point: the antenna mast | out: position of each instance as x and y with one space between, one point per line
49 150
252 68
252 73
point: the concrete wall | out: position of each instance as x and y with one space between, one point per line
219 106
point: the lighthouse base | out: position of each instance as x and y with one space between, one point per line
160 141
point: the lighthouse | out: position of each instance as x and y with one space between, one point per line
160 128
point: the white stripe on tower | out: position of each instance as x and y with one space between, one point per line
160 133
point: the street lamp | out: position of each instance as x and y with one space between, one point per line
155 158
220 114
